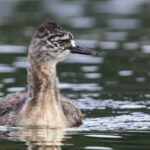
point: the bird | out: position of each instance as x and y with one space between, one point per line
43 104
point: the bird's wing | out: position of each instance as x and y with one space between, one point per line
12 102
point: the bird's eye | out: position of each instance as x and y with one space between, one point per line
60 42
63 42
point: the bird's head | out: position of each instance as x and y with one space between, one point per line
51 42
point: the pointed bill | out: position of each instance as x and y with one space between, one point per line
81 50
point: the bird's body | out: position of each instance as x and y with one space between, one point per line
43 104
11 107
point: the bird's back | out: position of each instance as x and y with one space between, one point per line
10 107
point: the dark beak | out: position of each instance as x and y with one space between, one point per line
85 51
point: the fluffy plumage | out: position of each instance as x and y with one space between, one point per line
43 104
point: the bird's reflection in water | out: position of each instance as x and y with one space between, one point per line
38 138
43 136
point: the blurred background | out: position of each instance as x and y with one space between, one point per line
113 91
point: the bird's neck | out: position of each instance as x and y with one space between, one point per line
43 106
42 81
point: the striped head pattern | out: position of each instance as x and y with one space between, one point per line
51 42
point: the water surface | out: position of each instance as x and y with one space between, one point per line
113 91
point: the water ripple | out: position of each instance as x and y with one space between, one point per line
84 59
81 86
12 49
92 104
6 69
134 121
98 148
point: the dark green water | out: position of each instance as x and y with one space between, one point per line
113 91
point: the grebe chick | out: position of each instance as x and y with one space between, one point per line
42 104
